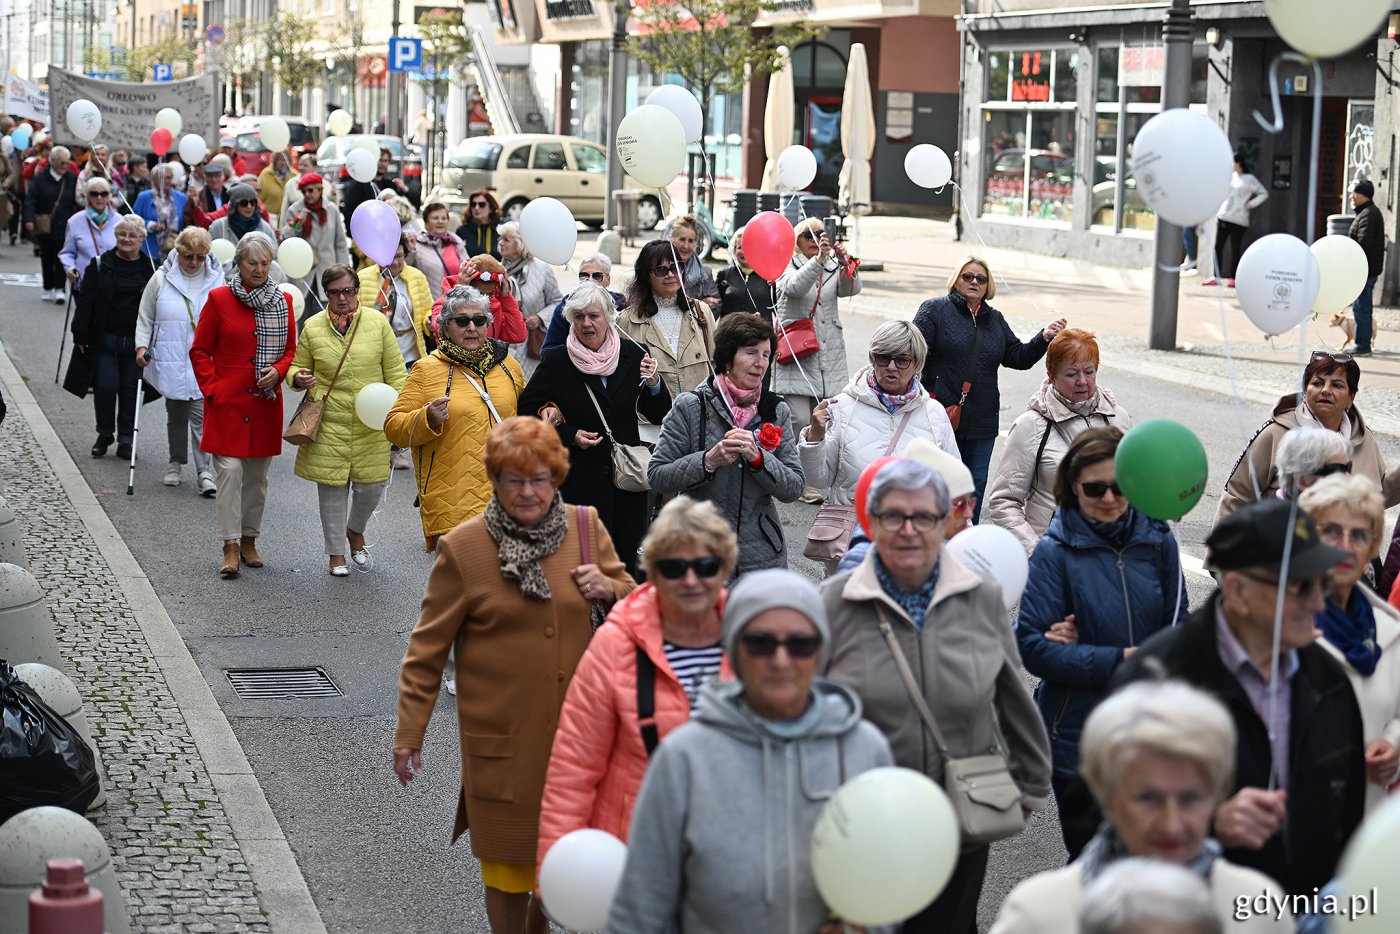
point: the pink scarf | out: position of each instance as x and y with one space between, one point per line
743 406
600 362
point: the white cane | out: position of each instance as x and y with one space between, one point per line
136 429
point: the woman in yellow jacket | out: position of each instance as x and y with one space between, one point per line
452 399
272 182
342 350
404 299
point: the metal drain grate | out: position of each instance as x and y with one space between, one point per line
272 683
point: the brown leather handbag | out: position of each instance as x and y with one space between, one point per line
306 420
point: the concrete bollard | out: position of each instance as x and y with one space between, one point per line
66 904
610 245
11 537
26 626
55 689
29 840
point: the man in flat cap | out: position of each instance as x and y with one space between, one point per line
1367 229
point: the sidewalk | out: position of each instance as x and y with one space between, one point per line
194 844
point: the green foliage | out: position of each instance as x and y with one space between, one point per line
295 62
135 65
242 56
446 44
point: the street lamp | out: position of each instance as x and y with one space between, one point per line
617 102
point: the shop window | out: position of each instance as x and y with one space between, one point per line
1029 133
1032 76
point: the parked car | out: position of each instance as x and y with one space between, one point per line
524 166
247 139
404 163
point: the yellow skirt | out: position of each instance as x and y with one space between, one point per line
511 878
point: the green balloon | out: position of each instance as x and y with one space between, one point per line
1162 468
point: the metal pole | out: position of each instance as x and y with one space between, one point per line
1176 92
394 89
617 102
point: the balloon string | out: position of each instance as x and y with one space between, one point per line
689 302
119 193
1234 383
1002 278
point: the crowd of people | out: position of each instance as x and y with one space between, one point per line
646 662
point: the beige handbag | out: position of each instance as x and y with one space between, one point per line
984 796
629 461
830 536
306 420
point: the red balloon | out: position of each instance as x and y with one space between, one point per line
767 243
867 476
161 140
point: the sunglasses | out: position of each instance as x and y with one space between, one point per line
342 293
245 201
883 360
463 320
762 645
965 503
1296 587
663 271
1327 470
811 235
99 194
1324 355
673 569
481 204
595 276
197 257
894 521
1095 489
973 277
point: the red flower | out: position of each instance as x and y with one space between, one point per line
769 436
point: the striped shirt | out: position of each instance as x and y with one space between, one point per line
693 667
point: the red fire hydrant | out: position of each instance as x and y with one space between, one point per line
66 904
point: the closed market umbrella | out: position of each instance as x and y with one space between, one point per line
857 134
777 120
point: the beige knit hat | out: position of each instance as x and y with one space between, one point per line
953 471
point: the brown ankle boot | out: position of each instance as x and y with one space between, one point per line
248 550
229 569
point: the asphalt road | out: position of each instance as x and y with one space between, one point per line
376 857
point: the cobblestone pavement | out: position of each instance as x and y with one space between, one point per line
180 868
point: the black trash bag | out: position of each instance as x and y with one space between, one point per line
43 759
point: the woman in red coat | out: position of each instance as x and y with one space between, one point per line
243 346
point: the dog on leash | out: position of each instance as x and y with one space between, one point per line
1343 320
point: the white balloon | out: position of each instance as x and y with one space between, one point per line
1342 270
579 877
7 146
1368 868
884 846
222 249
369 144
797 167
177 174
683 104
340 123
169 118
1182 164
651 145
928 166
373 402
996 555
549 230
361 165
275 133
298 300
193 148
1322 30
84 120
296 257
1276 282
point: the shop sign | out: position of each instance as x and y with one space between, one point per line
1030 77
569 9
1142 66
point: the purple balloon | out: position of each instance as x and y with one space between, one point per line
375 229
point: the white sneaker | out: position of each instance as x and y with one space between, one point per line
48 295
172 475
60 297
452 686
207 486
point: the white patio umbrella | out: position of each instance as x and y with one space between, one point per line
777 120
857 134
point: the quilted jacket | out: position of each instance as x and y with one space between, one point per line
418 293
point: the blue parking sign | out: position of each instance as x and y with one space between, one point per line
405 54
163 72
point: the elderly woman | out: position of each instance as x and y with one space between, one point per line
742 289
272 181
1103 579
478 229
428 420
243 347
98 163
516 629
949 624
319 223
342 350
819 273
1159 757
104 336
170 309
1068 403
695 280
1359 629
659 316
163 210
642 674
878 414
535 286
91 232
1307 455
242 217
721 830
592 389
439 253
731 442
402 295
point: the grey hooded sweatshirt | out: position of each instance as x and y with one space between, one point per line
720 841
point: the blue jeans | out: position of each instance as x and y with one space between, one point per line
1361 311
114 386
977 455
1189 242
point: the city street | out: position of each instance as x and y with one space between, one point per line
376 857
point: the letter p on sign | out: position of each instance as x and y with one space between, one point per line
405 54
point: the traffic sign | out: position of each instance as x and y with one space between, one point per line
215 34
163 72
405 54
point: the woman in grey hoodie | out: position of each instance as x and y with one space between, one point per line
721 834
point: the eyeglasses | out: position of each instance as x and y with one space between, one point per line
197 257
663 271
463 320
811 235
673 569
894 521
342 293
973 277
99 194
1327 470
595 276
965 503
1335 532
762 645
520 483
1095 489
883 360
1324 355
481 204
1296 587
245 202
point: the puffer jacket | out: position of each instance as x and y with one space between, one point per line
599 758
1368 230
689 365
810 289
346 449
1119 597
860 432
447 462
722 833
697 421
1021 497
165 325
418 294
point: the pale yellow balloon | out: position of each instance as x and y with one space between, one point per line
296 257
168 118
222 250
298 300
373 403
339 123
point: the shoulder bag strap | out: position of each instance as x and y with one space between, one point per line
490 407
97 250
977 330
583 534
903 423
1039 453
606 429
646 701
907 676
354 329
